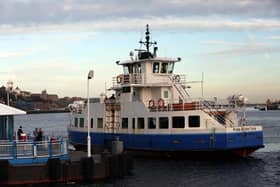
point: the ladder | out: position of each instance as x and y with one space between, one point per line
206 107
180 87
112 115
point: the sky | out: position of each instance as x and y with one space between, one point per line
51 44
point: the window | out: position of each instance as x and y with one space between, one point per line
156 67
130 69
171 67
133 123
91 123
152 123
100 123
139 68
178 122
163 123
82 123
164 67
140 123
126 89
6 127
194 121
165 94
76 122
125 70
124 123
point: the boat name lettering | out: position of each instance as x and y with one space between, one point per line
244 128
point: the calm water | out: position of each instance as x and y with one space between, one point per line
261 169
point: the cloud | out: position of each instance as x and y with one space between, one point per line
62 76
79 37
274 37
136 24
222 43
70 11
18 53
243 48
53 15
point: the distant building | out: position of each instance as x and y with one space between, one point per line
25 94
52 97
48 97
17 91
40 106
36 97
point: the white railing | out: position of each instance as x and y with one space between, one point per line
188 104
141 78
128 79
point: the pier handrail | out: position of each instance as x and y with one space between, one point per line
20 150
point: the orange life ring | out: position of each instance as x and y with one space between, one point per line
160 103
151 104
119 79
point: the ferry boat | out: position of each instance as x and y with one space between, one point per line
151 111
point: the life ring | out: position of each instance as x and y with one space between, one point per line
160 103
119 79
151 104
177 78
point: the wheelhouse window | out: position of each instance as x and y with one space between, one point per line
164 66
100 123
156 67
76 122
125 70
139 68
124 123
194 121
178 122
163 122
91 122
140 123
130 68
171 67
82 122
152 123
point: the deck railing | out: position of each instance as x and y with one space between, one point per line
211 108
191 104
17 150
143 78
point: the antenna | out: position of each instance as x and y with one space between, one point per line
105 88
147 43
141 40
202 81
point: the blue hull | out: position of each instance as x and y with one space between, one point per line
176 142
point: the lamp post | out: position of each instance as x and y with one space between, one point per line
8 89
90 76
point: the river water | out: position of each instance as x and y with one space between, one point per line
262 168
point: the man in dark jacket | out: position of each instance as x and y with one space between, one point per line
19 132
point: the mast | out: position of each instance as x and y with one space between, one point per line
147 43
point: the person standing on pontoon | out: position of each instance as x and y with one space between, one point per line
40 135
19 132
35 133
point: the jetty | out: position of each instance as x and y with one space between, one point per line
24 161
